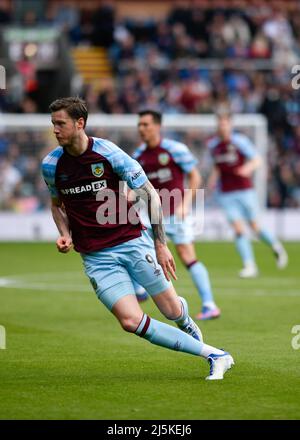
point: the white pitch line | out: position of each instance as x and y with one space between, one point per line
241 286
33 282
47 287
261 277
47 276
242 291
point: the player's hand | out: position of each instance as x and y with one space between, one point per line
244 171
166 260
64 244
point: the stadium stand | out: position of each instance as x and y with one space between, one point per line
186 57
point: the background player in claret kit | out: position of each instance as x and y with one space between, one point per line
167 163
235 160
113 253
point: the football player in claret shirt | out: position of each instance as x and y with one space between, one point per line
167 164
235 160
82 173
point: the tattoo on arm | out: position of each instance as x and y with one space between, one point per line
159 232
150 196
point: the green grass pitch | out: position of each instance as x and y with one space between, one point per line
67 358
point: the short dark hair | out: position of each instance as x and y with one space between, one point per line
74 106
156 115
224 112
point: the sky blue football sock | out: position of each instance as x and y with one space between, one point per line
244 248
170 337
183 319
267 237
167 336
200 277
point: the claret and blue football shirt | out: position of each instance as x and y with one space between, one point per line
76 181
228 156
166 166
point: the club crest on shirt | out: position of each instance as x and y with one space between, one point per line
97 169
163 158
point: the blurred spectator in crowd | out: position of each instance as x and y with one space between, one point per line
5 14
103 24
65 15
27 70
28 12
201 55
10 183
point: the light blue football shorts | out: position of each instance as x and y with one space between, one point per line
178 231
239 205
110 270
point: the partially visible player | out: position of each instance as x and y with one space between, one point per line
82 174
167 164
235 160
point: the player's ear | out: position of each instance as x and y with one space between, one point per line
80 123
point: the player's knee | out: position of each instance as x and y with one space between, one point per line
185 257
185 253
239 232
255 227
130 324
172 310
238 228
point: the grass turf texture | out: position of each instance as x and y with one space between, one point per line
67 357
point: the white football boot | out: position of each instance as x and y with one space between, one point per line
281 255
219 364
249 271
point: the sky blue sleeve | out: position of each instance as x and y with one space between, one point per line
128 169
181 155
245 146
212 143
136 154
131 172
48 171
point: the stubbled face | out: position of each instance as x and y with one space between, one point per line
149 130
224 127
65 128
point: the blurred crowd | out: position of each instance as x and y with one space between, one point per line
203 54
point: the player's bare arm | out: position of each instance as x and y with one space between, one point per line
64 243
248 168
193 183
164 256
212 179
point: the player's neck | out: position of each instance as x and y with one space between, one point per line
79 146
153 143
225 137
